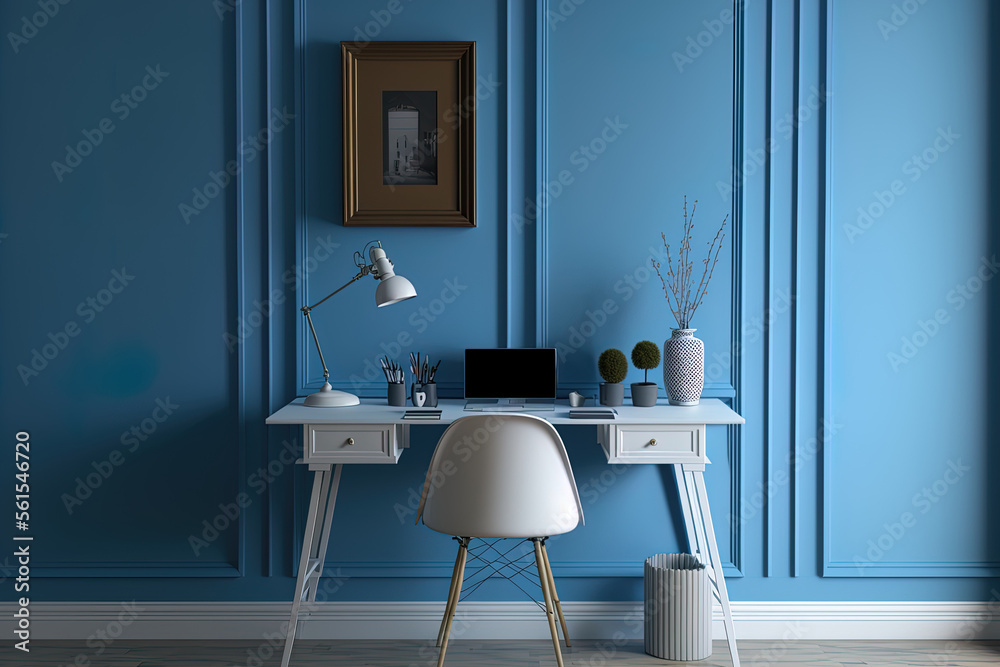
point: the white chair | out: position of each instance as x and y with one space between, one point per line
501 476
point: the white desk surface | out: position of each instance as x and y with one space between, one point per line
375 411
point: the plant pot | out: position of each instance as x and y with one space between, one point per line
612 393
644 394
683 367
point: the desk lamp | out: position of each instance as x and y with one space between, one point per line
391 289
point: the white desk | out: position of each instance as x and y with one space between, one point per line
374 432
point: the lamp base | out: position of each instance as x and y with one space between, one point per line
328 397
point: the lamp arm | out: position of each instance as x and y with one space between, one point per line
326 371
365 270
308 309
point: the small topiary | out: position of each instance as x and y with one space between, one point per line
645 355
612 365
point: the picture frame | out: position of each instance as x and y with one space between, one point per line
409 134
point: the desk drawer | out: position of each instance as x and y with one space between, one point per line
658 443
353 443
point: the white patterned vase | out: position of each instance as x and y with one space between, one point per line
683 367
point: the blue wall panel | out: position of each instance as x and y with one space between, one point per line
631 131
911 266
456 271
799 323
108 131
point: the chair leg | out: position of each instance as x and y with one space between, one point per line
462 553
544 580
449 607
555 595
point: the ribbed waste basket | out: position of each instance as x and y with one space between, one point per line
678 607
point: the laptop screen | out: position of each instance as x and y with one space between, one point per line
510 373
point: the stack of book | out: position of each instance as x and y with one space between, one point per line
423 413
592 413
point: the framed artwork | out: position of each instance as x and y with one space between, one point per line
409 133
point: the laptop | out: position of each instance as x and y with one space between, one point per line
510 379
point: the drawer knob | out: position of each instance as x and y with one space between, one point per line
350 441
652 442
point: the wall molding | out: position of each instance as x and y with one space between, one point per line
889 568
138 569
243 246
541 173
727 391
832 567
781 621
442 569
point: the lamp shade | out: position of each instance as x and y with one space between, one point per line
393 289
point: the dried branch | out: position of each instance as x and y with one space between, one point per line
720 236
683 295
666 290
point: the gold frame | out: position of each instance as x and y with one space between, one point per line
371 66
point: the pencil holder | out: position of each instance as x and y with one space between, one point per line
397 394
431 390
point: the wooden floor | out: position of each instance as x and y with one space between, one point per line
496 654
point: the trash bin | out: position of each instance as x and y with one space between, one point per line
678 608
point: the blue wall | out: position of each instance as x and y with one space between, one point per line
855 342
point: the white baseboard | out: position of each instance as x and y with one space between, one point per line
498 620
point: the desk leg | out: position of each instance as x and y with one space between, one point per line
326 479
324 542
695 496
685 498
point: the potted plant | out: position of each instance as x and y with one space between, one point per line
683 354
613 367
645 355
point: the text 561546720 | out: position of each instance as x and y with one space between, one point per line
22 546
